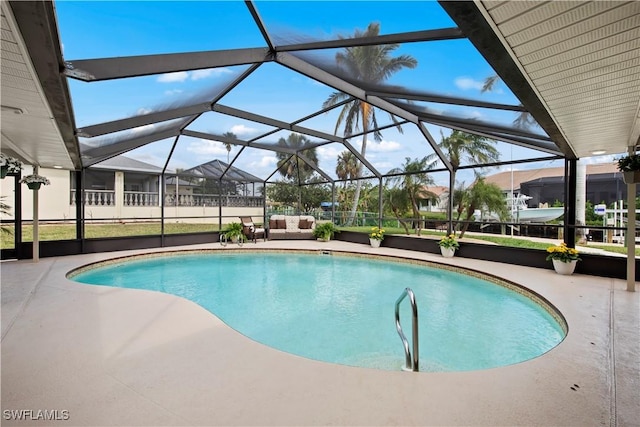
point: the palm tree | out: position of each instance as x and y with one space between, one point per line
413 179
347 166
524 119
228 145
291 166
481 195
461 146
373 65
5 209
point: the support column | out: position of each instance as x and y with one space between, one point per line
36 236
452 185
570 168
631 234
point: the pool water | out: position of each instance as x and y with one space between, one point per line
340 309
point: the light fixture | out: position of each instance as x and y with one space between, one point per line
15 110
57 167
598 152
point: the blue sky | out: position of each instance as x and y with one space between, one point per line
121 28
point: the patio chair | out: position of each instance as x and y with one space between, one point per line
250 230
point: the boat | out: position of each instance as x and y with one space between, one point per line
520 212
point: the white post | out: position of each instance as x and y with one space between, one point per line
36 236
631 234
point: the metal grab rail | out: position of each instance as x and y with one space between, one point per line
410 364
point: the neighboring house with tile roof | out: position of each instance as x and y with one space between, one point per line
430 205
604 184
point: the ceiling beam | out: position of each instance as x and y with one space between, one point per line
408 37
91 70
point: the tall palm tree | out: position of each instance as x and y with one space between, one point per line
368 64
413 179
292 167
228 145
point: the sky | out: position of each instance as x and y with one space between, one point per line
95 29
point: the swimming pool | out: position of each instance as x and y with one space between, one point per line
340 309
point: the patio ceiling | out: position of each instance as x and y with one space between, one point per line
573 65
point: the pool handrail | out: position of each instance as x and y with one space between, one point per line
410 364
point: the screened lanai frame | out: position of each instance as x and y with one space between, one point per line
408 106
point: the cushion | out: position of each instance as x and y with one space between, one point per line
292 222
273 224
281 224
303 224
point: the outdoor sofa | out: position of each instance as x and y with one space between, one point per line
291 227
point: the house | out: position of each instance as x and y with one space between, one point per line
604 184
122 188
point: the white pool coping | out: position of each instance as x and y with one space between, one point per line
107 356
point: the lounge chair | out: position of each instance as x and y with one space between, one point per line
250 230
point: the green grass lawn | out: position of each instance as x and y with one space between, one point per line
68 232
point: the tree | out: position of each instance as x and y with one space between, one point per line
461 146
292 166
482 196
347 166
524 119
373 65
413 179
228 145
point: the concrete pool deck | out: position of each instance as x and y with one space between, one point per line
109 356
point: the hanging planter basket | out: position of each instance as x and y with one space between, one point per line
632 177
3 171
34 185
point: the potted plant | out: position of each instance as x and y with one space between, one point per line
9 164
630 168
34 181
448 245
325 231
376 237
234 233
563 257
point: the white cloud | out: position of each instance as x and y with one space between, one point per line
173 92
210 72
205 147
243 130
383 166
142 111
265 161
466 83
180 76
326 152
383 146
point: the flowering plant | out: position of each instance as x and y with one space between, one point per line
562 253
32 179
13 165
377 233
449 242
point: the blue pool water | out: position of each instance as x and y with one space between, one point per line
341 309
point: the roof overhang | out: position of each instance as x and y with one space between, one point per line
37 118
574 65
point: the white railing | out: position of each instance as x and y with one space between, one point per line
141 198
213 200
96 197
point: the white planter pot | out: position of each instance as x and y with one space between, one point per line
565 268
375 243
447 252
